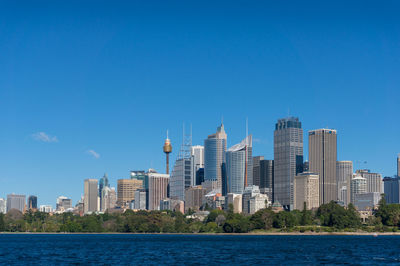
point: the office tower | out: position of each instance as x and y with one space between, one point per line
167 148
256 169
392 189
288 152
103 182
398 165
214 156
306 166
108 198
374 180
194 198
267 178
181 178
158 185
366 201
235 201
306 190
239 166
358 185
126 191
63 204
344 173
197 156
141 175
3 205
90 198
46 208
141 199
199 176
322 154
32 203
16 202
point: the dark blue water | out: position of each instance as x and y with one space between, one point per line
197 249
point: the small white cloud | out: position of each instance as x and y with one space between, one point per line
94 154
41 136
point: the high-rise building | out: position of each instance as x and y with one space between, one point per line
32 202
267 178
398 165
141 175
288 154
199 177
194 198
126 191
239 166
392 189
197 156
344 173
256 170
374 180
108 198
16 202
90 198
322 155
306 190
181 178
367 201
3 205
103 182
141 199
63 204
358 185
158 187
214 156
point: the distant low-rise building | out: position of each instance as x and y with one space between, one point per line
172 205
194 197
258 202
141 199
234 200
3 205
63 203
46 208
366 201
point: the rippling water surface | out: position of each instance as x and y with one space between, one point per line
33 249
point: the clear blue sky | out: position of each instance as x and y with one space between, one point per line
108 79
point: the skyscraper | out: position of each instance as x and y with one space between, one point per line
181 178
32 203
392 189
141 175
158 186
374 180
16 202
197 155
108 198
288 153
267 178
306 190
90 200
344 173
358 185
214 156
398 165
236 166
63 204
102 184
194 198
256 169
322 154
126 191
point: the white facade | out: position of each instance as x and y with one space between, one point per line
236 201
46 208
258 202
374 180
108 198
197 157
3 205
358 185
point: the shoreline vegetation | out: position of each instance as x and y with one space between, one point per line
328 219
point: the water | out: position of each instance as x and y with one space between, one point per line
37 249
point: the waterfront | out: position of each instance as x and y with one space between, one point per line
197 249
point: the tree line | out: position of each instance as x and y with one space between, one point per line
328 217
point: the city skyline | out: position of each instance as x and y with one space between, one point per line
84 97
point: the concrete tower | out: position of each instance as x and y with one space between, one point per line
167 149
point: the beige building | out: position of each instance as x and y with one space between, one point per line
194 197
90 198
306 189
358 185
109 198
322 154
126 190
374 180
158 186
236 201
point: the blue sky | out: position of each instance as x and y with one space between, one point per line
88 88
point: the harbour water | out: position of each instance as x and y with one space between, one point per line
149 249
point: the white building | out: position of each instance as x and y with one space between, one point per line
235 200
306 190
46 208
108 198
358 185
63 203
197 157
3 205
258 202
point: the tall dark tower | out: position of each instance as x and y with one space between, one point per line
167 149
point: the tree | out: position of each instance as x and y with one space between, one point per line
2 223
306 216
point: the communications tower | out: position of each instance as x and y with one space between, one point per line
167 149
